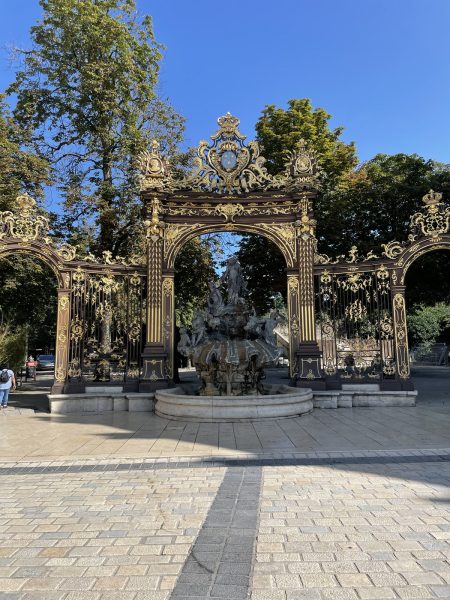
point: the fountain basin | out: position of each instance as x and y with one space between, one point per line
278 401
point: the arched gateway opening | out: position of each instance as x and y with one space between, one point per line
427 296
28 315
200 268
230 190
354 305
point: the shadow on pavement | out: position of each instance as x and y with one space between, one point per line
33 394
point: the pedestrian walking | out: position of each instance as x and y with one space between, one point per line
7 380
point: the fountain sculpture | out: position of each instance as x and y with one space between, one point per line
229 345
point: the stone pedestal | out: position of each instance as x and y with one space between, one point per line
309 372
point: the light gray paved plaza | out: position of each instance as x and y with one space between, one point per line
25 435
338 504
359 531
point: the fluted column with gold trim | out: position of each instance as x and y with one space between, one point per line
155 355
293 299
308 371
62 336
402 367
168 321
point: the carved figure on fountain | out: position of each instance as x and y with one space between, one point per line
233 279
230 345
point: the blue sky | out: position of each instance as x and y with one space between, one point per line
380 67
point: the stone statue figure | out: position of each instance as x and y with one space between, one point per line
184 345
269 325
199 333
253 327
215 300
233 280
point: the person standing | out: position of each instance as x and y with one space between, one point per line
7 380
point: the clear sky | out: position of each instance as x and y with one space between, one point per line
380 67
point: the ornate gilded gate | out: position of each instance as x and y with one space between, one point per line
101 303
115 320
229 190
347 319
361 317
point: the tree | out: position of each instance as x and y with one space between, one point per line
278 131
194 267
12 346
20 170
28 299
428 280
87 91
427 323
373 204
264 269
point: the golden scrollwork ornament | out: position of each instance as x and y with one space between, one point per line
154 170
434 221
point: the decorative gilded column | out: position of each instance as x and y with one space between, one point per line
154 182
155 355
62 335
402 368
168 298
308 355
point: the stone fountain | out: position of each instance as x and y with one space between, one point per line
230 346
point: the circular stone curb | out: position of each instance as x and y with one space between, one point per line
284 401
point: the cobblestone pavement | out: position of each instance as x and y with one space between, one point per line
338 504
263 528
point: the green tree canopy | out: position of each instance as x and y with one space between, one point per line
87 92
373 204
427 324
28 299
21 170
264 269
279 130
194 267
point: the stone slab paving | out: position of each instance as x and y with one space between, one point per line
25 435
320 527
339 504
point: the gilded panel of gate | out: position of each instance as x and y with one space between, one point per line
355 325
107 326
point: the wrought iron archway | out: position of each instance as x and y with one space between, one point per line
347 319
100 310
115 323
354 292
230 190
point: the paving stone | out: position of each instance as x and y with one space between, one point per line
441 591
425 577
320 580
415 591
354 580
10 584
379 593
387 579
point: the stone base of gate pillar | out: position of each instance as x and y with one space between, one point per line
309 370
151 386
58 388
397 385
153 372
